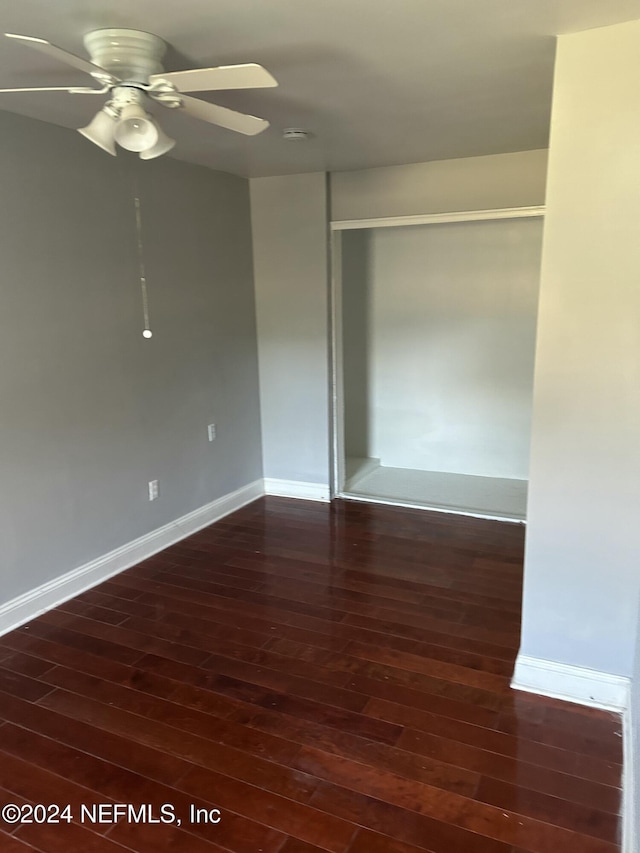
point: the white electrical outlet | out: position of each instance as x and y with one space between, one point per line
153 490
211 430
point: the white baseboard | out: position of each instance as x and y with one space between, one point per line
297 489
571 683
31 604
630 832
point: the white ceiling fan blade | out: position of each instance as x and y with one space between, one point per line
247 76
214 114
73 90
61 55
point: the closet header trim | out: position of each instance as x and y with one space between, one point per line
439 218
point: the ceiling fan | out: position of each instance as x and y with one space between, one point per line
127 66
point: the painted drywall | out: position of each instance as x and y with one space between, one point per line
451 314
473 183
582 573
356 352
90 411
289 223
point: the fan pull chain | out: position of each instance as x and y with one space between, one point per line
147 333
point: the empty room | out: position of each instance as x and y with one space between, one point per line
319 481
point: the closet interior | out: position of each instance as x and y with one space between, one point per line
434 339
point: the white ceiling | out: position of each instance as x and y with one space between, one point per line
376 82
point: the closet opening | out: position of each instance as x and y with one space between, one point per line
434 336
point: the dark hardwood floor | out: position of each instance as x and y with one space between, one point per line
330 678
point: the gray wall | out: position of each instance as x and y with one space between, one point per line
89 410
452 332
356 351
289 220
582 574
472 183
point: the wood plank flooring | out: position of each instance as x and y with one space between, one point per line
327 677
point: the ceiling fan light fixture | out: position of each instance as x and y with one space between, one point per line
127 65
101 131
164 144
135 129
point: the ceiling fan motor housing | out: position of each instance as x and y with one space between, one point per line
131 55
